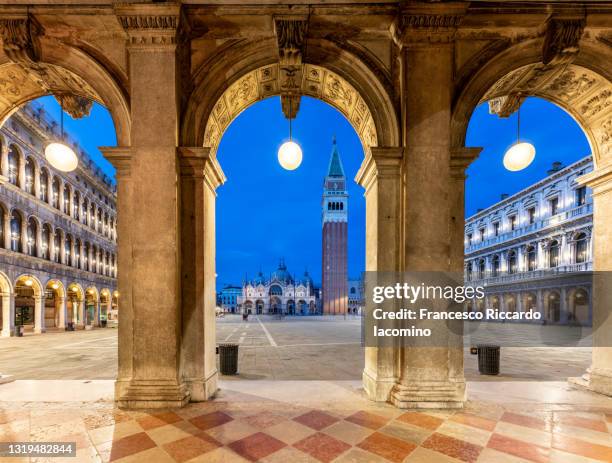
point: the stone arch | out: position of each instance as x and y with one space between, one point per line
74 304
55 310
5 284
243 74
69 70
582 88
36 284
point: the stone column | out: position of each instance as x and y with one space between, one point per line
21 181
150 377
36 180
540 305
39 314
7 229
200 177
61 306
599 376
8 315
4 164
380 176
50 189
80 315
429 377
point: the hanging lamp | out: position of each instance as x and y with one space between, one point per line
58 153
520 154
290 153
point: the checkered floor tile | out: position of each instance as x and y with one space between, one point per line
237 428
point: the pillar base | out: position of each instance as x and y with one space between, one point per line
150 394
202 389
429 394
377 389
595 380
7 333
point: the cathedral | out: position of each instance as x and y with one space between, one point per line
334 285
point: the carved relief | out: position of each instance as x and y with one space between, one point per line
315 81
595 105
20 40
149 25
561 40
567 86
74 105
290 37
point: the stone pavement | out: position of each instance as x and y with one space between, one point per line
295 348
318 421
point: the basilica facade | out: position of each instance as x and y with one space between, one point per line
279 294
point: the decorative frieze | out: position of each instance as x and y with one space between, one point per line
561 41
150 26
427 24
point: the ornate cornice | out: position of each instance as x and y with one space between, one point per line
427 24
20 39
150 26
121 159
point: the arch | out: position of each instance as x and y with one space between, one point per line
55 306
14 163
244 73
30 170
579 88
57 286
5 284
32 236
77 290
30 281
88 76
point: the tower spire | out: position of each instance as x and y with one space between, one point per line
335 168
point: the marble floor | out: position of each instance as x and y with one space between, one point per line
313 421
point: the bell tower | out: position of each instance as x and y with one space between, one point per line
335 237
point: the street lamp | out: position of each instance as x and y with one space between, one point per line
290 153
59 154
520 154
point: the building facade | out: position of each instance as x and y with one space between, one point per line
334 284
356 296
227 298
532 251
58 232
281 293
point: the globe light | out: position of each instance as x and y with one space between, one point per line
519 156
290 155
61 157
29 282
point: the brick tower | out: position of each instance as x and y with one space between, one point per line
335 237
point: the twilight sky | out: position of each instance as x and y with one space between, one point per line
265 213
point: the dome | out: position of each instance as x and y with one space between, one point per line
259 279
306 280
281 274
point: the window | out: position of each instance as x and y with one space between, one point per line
68 250
553 254
495 269
512 262
44 185
1 222
86 261
581 248
554 206
57 246
496 228
482 233
77 253
75 205
29 176
16 232
468 272
469 238
580 196
32 232
532 258
13 165
46 242
84 209
531 213
55 189
513 222
66 205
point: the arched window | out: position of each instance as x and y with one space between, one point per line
57 246
46 242
29 176
581 248
553 254
532 258
66 205
276 290
13 165
106 266
99 220
1 221
329 206
94 259
341 206
16 232
43 192
77 253
481 269
468 271
32 232
92 216
495 269
55 190
111 228
86 260
512 263
106 225
84 209
76 208
68 250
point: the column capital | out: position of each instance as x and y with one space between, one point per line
199 162
427 24
150 26
600 180
381 162
120 157
461 158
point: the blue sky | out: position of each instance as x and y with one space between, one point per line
265 213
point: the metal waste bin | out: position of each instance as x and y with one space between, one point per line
19 330
70 326
228 358
488 359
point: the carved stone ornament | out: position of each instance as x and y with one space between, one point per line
427 24
149 25
291 40
561 42
20 40
77 106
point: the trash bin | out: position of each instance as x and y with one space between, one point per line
228 358
19 330
488 359
103 323
70 326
